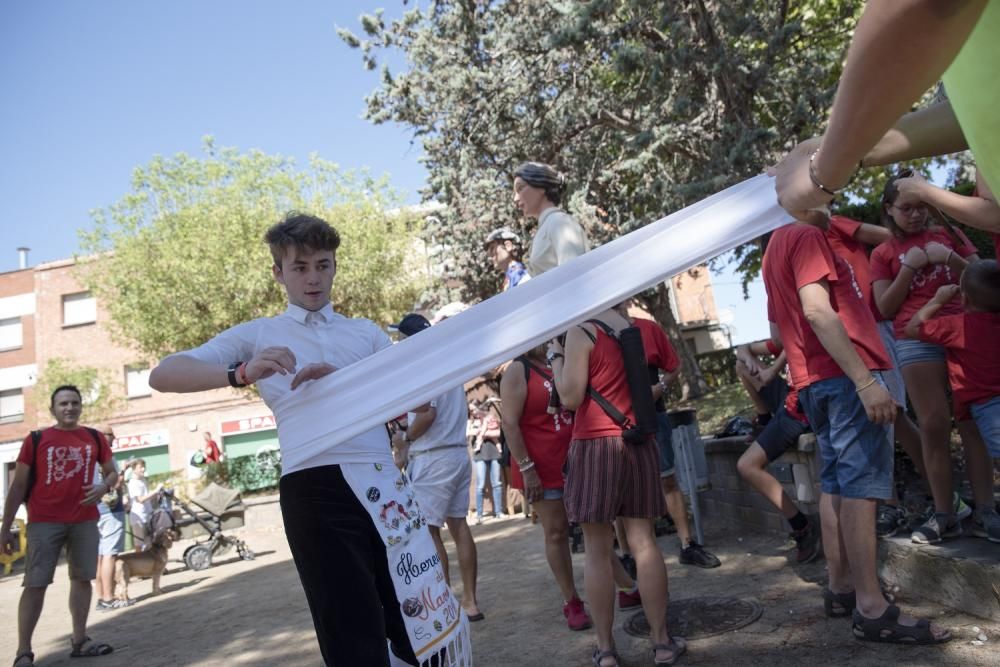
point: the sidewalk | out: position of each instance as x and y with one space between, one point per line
254 612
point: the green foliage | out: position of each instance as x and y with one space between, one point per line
96 385
247 474
646 106
188 258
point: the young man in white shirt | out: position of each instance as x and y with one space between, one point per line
340 553
436 455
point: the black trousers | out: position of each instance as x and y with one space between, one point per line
343 568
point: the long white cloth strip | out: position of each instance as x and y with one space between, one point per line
381 387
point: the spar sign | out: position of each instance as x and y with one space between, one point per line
248 425
141 440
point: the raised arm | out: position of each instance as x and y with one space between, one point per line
183 373
980 211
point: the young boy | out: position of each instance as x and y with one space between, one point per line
346 510
970 342
141 508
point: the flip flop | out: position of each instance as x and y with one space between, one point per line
90 649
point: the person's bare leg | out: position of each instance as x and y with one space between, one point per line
597 579
857 525
105 577
676 508
555 526
468 562
80 593
759 404
837 564
908 436
752 467
926 382
441 551
978 463
652 579
621 577
28 611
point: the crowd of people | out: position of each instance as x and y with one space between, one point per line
862 336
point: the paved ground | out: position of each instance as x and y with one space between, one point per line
254 613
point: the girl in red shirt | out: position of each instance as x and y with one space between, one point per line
538 442
608 478
907 271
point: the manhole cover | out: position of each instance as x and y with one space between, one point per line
700 617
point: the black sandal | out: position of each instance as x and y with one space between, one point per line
887 629
601 655
27 654
677 647
839 605
88 649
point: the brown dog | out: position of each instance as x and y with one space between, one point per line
148 563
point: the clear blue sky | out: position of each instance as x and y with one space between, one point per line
91 90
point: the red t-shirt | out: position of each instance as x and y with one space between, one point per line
659 351
840 236
798 255
607 376
971 343
887 259
792 397
212 453
64 465
546 436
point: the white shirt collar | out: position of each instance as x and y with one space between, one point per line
299 314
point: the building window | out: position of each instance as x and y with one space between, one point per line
11 406
11 336
78 309
137 381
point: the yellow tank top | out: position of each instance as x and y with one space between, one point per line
973 88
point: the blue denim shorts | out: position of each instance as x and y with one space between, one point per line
987 416
911 351
665 444
856 453
552 494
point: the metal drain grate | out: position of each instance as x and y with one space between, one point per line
700 617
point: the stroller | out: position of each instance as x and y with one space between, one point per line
217 509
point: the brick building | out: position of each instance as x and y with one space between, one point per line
46 314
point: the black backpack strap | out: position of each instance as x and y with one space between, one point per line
528 364
616 415
96 436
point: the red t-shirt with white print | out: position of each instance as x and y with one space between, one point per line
64 466
886 261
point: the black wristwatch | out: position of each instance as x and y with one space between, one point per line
231 374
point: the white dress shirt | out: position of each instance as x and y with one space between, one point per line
312 336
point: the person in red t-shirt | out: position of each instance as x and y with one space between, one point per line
211 451
538 442
58 474
907 271
783 425
607 478
850 240
970 341
834 352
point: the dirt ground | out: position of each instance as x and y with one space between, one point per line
254 612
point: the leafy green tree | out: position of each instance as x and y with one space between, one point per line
646 106
101 398
187 254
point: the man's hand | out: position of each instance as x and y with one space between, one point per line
532 485
269 361
400 450
312 372
8 543
946 293
911 190
937 253
795 190
92 494
916 258
554 347
878 404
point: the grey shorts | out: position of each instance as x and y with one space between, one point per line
441 481
111 527
45 544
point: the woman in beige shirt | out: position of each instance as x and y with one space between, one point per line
538 190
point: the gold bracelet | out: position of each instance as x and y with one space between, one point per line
865 385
